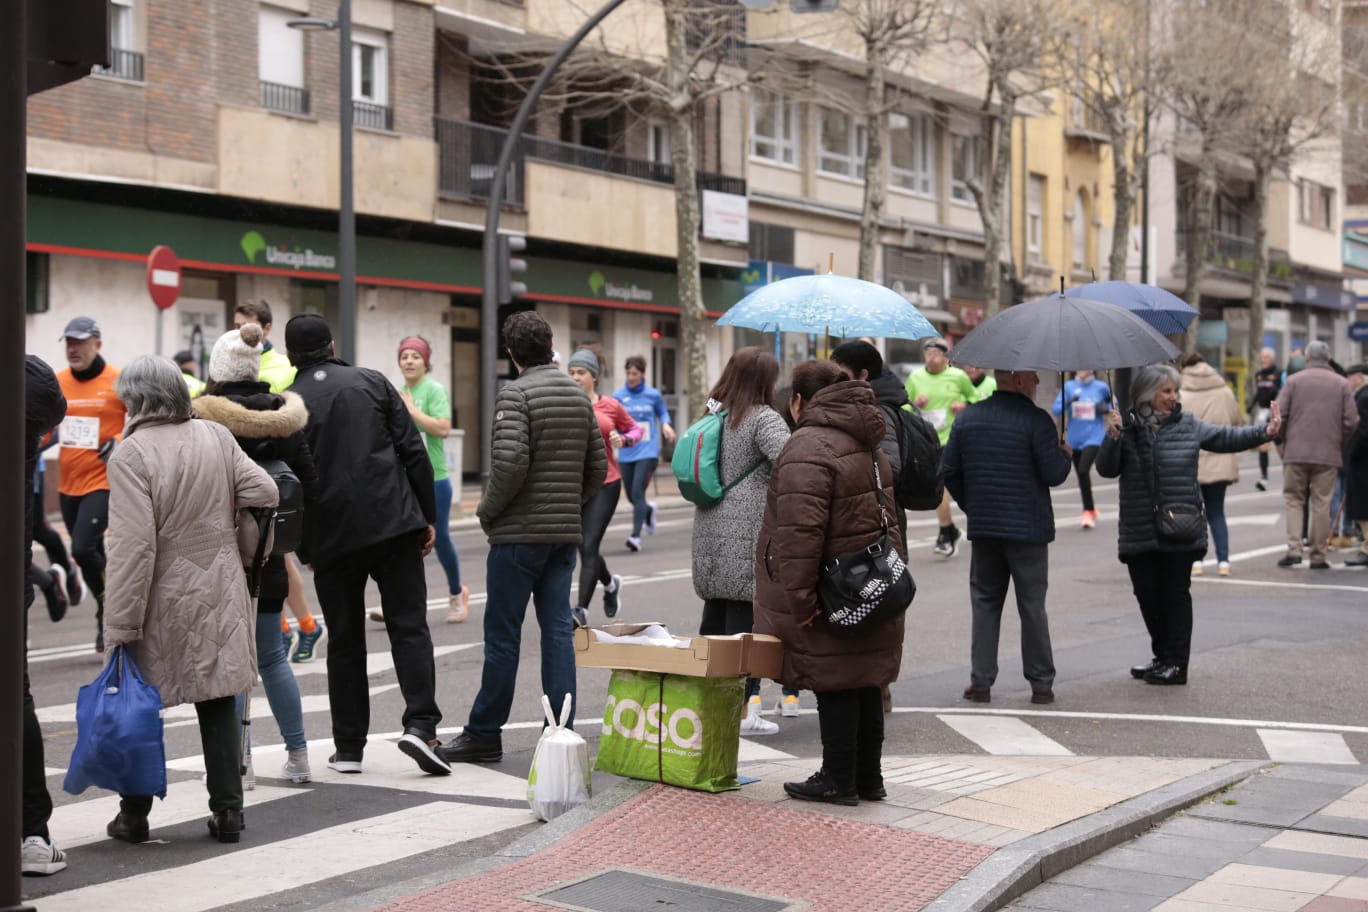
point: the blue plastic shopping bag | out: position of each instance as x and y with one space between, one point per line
118 733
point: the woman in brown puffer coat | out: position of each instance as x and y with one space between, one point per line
821 504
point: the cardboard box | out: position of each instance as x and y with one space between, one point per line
752 654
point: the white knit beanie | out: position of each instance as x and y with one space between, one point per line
237 355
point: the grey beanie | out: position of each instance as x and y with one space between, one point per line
586 359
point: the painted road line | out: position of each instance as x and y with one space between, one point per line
1005 736
241 876
752 752
1274 584
1306 747
83 822
1254 519
261 708
385 766
380 661
1135 717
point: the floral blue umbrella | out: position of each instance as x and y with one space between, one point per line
1163 310
830 305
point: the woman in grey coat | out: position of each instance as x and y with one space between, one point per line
724 535
1155 455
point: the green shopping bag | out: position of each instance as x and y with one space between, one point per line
674 729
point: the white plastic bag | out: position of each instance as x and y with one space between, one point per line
559 779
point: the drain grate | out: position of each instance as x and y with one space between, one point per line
625 891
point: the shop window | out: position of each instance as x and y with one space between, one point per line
36 283
912 153
773 127
841 144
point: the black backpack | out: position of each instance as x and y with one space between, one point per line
288 524
919 485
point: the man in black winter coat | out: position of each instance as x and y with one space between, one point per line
371 518
44 409
1001 460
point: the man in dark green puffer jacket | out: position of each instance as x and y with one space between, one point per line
548 460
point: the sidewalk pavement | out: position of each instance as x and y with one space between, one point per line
956 834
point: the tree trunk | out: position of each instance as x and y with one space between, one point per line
991 199
683 156
1258 284
874 192
1197 241
1123 192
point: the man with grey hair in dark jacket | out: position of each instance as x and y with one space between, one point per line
547 462
1001 460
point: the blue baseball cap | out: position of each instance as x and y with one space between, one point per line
81 328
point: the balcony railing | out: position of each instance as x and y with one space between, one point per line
1235 252
122 65
289 99
375 116
469 151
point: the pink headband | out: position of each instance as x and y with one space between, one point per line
414 343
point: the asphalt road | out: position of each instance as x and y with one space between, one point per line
1274 650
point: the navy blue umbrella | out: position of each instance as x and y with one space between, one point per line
1163 310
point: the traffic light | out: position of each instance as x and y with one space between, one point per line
814 6
506 289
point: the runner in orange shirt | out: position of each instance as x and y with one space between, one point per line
94 421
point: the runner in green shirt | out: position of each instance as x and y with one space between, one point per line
431 410
941 392
983 384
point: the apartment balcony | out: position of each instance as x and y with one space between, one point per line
1085 124
284 98
373 116
122 65
468 153
1234 253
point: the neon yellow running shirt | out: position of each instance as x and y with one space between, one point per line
941 391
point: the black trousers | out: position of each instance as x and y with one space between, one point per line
86 518
1162 581
396 565
221 739
852 725
594 519
723 617
37 803
1083 460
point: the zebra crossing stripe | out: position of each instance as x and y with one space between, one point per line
1306 747
1005 736
251 873
750 752
83 822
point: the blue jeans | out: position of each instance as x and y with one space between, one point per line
1346 523
278 679
513 574
635 477
446 551
1213 495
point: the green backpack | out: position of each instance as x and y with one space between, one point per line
697 460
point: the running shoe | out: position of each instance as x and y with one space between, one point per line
650 517
1197 568
788 706
580 616
307 649
946 541
458 607
612 602
633 543
1223 568
296 767
56 594
38 857
1087 522
75 588
752 723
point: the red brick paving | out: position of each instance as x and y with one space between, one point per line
730 843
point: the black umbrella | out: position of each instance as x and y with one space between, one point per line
1060 334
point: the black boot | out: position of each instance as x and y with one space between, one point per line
821 787
1139 671
227 826
1166 674
128 827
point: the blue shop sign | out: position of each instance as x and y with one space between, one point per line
1329 297
759 273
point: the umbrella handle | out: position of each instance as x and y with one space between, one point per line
1063 411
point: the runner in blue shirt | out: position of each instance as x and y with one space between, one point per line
638 462
1088 401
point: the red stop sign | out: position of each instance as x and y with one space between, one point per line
163 276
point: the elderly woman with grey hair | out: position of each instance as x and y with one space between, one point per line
1154 452
177 596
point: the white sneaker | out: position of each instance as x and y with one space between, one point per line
40 857
752 724
650 517
296 767
633 543
1197 568
1223 568
788 706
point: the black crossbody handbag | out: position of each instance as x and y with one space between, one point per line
866 588
1175 522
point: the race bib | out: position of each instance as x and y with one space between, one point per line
80 432
645 431
1083 411
937 417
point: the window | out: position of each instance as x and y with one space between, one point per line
658 143
774 127
771 242
966 156
1080 233
125 61
912 153
1315 204
1035 218
36 282
840 144
280 62
370 73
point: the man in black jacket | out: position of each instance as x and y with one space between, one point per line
1356 462
371 518
44 409
1002 458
